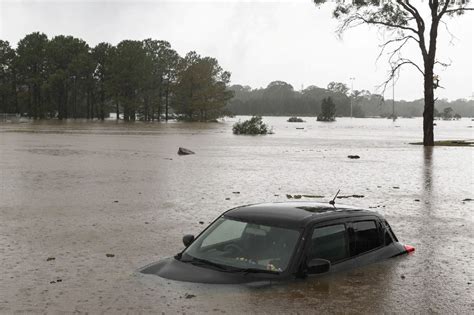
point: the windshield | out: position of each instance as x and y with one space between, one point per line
244 245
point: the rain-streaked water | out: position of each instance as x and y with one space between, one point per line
77 191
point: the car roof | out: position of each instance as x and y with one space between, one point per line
293 214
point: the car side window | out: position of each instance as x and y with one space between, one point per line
366 237
389 235
329 242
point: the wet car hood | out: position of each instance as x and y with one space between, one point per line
171 268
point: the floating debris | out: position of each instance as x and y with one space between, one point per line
236 192
295 119
289 196
468 199
189 296
353 157
350 196
110 255
184 151
450 143
50 258
313 196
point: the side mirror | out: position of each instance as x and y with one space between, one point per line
188 239
318 265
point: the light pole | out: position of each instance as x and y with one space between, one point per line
352 91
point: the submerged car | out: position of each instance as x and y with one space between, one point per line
281 241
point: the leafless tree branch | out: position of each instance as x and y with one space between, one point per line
458 10
451 35
394 72
357 19
403 39
443 64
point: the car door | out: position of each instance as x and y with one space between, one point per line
330 240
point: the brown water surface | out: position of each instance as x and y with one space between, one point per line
76 191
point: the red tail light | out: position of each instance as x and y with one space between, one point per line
409 249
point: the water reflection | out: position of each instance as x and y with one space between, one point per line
427 174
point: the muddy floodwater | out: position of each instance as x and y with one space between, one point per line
84 205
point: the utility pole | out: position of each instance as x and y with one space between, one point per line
352 91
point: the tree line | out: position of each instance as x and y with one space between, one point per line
280 99
63 77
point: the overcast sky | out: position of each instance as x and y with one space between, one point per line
257 41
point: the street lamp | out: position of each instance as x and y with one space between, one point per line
352 91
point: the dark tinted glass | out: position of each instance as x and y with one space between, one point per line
366 237
329 242
389 229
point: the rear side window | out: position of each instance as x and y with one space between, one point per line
365 238
389 235
329 242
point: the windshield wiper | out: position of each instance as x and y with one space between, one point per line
256 270
203 262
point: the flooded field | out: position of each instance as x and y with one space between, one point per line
84 205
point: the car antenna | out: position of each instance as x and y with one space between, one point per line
333 201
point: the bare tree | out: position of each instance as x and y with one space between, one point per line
404 22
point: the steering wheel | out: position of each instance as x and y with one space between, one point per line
233 249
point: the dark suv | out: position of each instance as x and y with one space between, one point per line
281 241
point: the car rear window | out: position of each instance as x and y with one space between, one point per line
329 242
365 238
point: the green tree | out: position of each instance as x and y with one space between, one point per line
82 68
130 71
338 87
201 89
101 55
69 67
448 113
253 126
163 74
32 72
328 110
281 95
405 22
8 103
